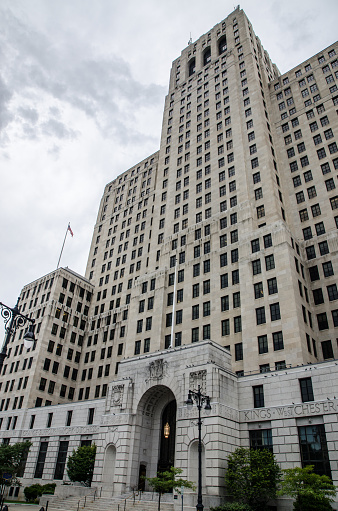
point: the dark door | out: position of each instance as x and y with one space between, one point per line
167 447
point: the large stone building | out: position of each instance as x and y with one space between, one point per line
213 262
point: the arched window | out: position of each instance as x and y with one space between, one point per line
222 45
192 66
206 56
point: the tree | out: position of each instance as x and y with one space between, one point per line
80 465
311 491
252 477
12 458
166 482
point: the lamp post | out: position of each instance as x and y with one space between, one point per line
199 399
13 319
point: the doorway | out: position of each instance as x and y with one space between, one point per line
167 437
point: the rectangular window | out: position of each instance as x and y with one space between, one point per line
313 448
327 350
260 316
263 344
256 267
323 325
275 311
61 460
258 395
306 389
261 439
41 460
278 343
239 351
269 262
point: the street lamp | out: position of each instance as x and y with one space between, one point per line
15 320
199 399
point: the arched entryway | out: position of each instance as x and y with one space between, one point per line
109 466
155 434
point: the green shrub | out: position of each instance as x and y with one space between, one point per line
32 492
232 506
311 503
49 488
36 490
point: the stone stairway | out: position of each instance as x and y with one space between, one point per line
104 504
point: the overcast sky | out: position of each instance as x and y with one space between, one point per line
82 87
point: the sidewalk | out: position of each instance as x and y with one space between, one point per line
20 506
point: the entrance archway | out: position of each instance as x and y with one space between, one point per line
152 451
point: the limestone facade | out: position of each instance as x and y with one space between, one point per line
213 261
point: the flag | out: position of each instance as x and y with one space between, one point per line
70 230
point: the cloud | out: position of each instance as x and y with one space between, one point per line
100 86
5 96
54 128
30 114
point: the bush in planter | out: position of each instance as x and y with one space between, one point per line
232 506
49 488
36 490
33 492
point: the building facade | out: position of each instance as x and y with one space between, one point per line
213 262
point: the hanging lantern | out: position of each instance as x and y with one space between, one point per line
166 430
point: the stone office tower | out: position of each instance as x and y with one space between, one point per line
228 232
213 262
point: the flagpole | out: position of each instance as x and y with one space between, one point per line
64 241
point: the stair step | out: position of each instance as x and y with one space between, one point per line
106 504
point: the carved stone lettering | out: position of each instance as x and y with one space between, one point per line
283 412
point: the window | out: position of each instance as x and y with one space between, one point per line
258 395
323 248
293 166
224 280
296 181
206 332
315 209
261 439
320 228
256 177
278 343
258 290
272 286
322 322
334 202
260 316
237 324
239 351
275 311
260 211
256 267
269 262
61 460
330 185
328 269
41 459
306 389
267 241
332 292
263 344
313 448
311 192
206 309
